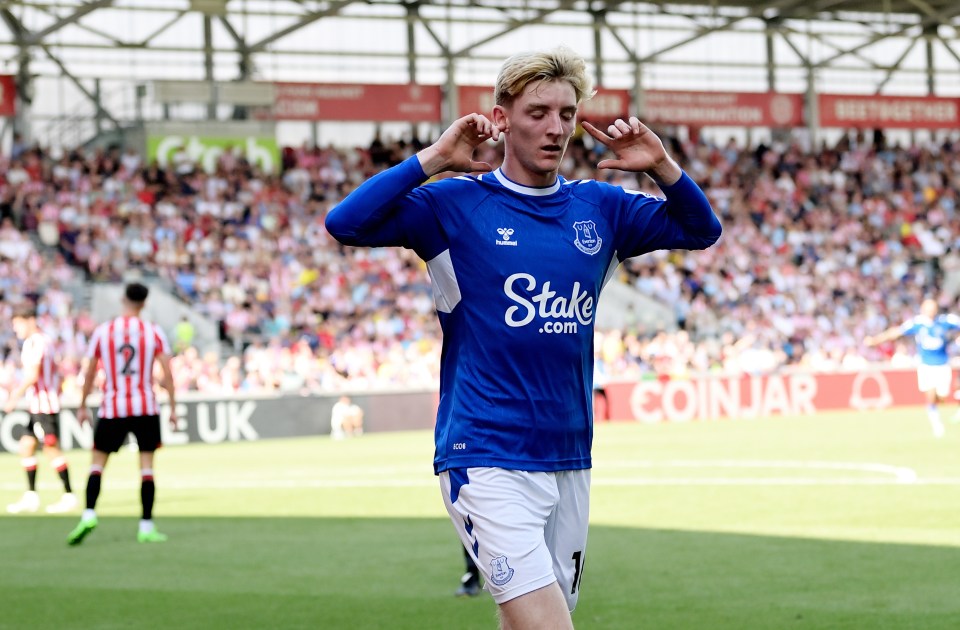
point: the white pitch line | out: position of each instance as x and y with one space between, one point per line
752 481
301 484
893 475
902 474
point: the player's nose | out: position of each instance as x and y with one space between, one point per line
555 125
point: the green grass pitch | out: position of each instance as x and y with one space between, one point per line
838 521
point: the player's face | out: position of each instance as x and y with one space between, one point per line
537 125
20 327
929 308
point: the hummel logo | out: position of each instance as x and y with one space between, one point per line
506 233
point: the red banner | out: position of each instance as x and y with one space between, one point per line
475 99
605 106
8 95
354 101
422 103
710 397
920 112
724 109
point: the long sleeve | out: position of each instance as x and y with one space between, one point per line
687 204
368 215
684 220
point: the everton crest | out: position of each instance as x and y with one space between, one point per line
500 571
587 241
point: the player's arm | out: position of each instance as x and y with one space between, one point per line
368 216
162 357
166 382
951 321
684 220
31 374
89 371
894 332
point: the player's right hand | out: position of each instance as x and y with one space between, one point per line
83 415
453 150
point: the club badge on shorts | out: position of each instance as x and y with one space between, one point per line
500 571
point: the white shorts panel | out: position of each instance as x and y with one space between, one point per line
525 530
566 532
935 377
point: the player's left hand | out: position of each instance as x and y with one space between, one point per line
637 149
174 423
83 415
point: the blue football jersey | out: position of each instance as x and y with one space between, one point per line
931 336
517 272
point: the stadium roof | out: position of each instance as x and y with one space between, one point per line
906 7
98 51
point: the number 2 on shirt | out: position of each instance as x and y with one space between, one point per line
127 354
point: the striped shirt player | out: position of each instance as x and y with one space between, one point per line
126 348
931 332
44 395
518 258
41 385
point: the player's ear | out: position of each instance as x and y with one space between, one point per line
500 118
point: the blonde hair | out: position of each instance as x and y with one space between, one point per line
558 64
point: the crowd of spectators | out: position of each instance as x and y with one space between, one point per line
819 249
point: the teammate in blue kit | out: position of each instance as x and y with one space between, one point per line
518 258
932 332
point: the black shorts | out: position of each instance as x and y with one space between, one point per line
45 427
109 434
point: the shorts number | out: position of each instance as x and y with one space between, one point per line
577 571
128 353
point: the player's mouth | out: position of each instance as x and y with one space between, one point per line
551 148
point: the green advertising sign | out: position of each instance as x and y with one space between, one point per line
206 150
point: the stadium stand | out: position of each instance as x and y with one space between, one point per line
825 246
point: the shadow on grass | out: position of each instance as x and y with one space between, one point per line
401 573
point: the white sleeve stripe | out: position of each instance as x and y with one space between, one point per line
446 289
610 271
644 194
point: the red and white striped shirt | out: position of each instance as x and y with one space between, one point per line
126 348
45 393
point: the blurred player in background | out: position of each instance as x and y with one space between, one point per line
126 347
932 332
41 381
346 419
470 582
518 258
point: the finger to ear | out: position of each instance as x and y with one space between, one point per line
598 135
